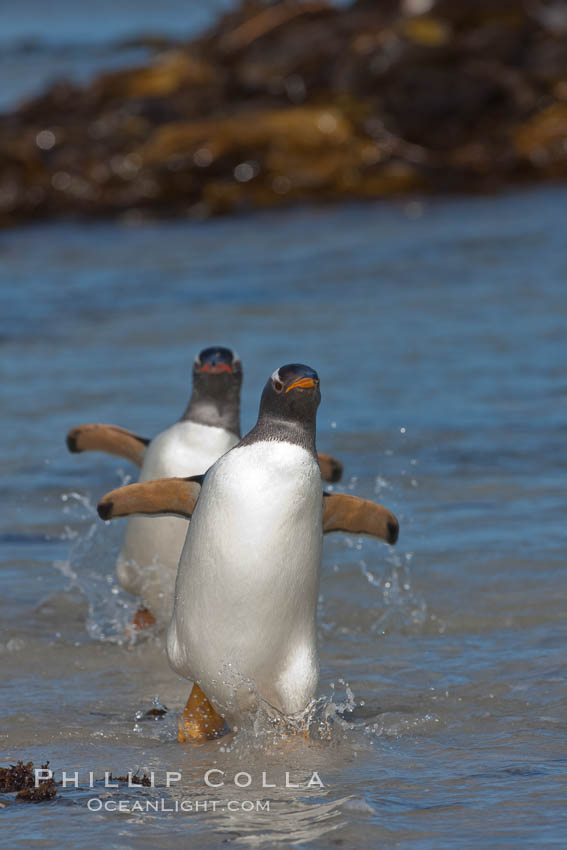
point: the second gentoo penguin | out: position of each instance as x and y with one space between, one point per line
244 622
208 428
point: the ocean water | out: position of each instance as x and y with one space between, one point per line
438 330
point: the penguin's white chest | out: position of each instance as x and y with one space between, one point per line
152 546
248 579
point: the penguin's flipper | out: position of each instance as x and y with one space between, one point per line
172 496
110 439
331 468
343 512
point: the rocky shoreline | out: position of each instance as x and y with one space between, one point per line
301 101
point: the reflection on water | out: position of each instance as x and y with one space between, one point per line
439 340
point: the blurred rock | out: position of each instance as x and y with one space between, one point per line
298 101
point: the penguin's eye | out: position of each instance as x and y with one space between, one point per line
278 386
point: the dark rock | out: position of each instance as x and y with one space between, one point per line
298 101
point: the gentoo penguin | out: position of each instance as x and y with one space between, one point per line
208 428
244 621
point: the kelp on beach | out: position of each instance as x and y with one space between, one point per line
20 778
301 101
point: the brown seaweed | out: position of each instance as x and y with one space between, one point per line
20 777
143 780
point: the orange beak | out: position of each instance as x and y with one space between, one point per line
217 368
302 383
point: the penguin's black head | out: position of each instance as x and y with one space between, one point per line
217 360
216 371
217 378
292 393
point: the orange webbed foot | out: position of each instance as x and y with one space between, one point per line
199 721
143 618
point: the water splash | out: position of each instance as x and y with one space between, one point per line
324 721
403 608
93 549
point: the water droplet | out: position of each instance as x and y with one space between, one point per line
61 181
281 184
203 157
327 123
45 140
245 172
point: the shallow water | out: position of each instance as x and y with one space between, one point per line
438 330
